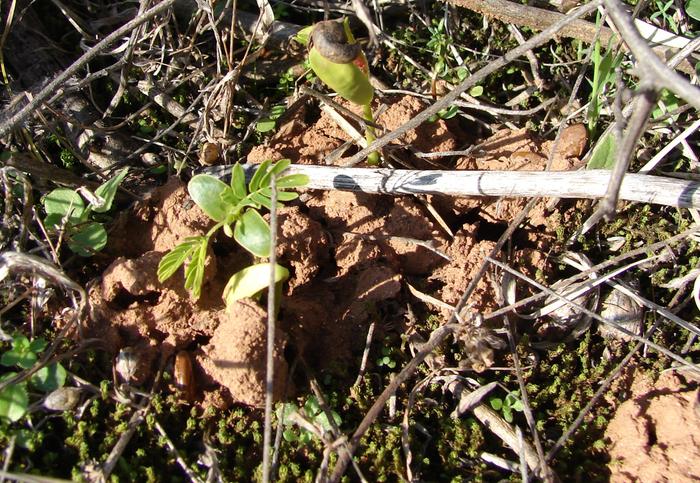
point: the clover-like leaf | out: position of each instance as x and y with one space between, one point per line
207 191
108 190
253 233
250 281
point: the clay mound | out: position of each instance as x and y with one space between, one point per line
655 435
235 356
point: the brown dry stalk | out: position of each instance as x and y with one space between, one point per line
536 18
540 19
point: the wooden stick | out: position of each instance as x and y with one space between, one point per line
641 188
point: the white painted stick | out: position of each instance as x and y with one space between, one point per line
560 184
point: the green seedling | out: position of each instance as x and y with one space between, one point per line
313 414
66 212
337 59
603 79
269 123
236 209
14 399
506 406
386 359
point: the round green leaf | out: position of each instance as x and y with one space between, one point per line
253 233
14 400
91 238
251 280
207 192
692 8
64 201
49 378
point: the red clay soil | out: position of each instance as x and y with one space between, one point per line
350 255
655 435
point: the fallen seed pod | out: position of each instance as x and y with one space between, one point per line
126 363
183 374
620 308
62 399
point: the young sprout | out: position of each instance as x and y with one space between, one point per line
337 59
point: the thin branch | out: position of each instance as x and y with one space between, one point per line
271 322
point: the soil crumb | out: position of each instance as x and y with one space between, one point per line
655 435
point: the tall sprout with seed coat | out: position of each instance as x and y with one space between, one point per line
337 59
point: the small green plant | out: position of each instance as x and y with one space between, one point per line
313 414
23 354
665 11
337 59
236 209
66 212
387 357
506 406
267 124
603 79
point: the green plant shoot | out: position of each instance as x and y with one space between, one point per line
235 209
336 58
66 210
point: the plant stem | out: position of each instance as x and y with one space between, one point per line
373 157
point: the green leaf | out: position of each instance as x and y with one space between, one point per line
20 355
49 378
265 125
303 35
287 196
251 280
253 233
476 91
38 345
496 403
194 273
292 181
254 184
289 435
207 191
14 400
238 182
66 203
172 260
603 153
261 200
89 239
108 190
507 414
692 8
